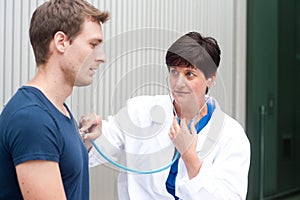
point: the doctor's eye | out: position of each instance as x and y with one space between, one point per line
173 72
190 74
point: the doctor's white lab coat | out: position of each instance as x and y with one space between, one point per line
222 146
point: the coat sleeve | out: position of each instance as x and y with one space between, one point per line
226 175
110 143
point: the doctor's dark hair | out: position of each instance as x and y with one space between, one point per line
59 15
193 50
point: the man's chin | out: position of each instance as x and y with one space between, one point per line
83 83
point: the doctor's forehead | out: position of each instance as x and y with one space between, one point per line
185 67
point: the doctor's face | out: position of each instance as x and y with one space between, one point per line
188 85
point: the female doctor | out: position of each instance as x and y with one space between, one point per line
214 149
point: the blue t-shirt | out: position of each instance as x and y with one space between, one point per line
31 128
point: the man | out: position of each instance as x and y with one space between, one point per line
42 155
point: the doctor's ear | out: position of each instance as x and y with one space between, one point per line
210 82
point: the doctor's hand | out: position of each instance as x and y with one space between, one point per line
90 127
185 140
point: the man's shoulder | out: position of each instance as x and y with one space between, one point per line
24 109
21 103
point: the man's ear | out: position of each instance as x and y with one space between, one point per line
60 41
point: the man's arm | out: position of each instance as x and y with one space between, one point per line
40 179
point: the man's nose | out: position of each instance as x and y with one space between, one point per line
100 54
102 57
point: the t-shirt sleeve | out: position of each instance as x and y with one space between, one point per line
33 135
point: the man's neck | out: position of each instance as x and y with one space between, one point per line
53 86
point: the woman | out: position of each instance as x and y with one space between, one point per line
214 150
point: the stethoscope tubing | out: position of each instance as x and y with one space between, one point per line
133 170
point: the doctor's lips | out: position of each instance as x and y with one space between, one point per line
181 92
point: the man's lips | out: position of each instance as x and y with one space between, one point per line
93 70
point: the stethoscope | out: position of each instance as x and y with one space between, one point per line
175 157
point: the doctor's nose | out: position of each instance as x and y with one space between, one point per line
180 81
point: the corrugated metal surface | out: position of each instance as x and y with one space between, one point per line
136 39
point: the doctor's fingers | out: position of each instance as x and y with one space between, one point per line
172 133
184 128
88 121
175 124
188 127
94 131
174 128
93 135
193 130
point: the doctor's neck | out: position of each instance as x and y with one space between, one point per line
190 112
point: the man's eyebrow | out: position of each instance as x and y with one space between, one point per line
96 40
